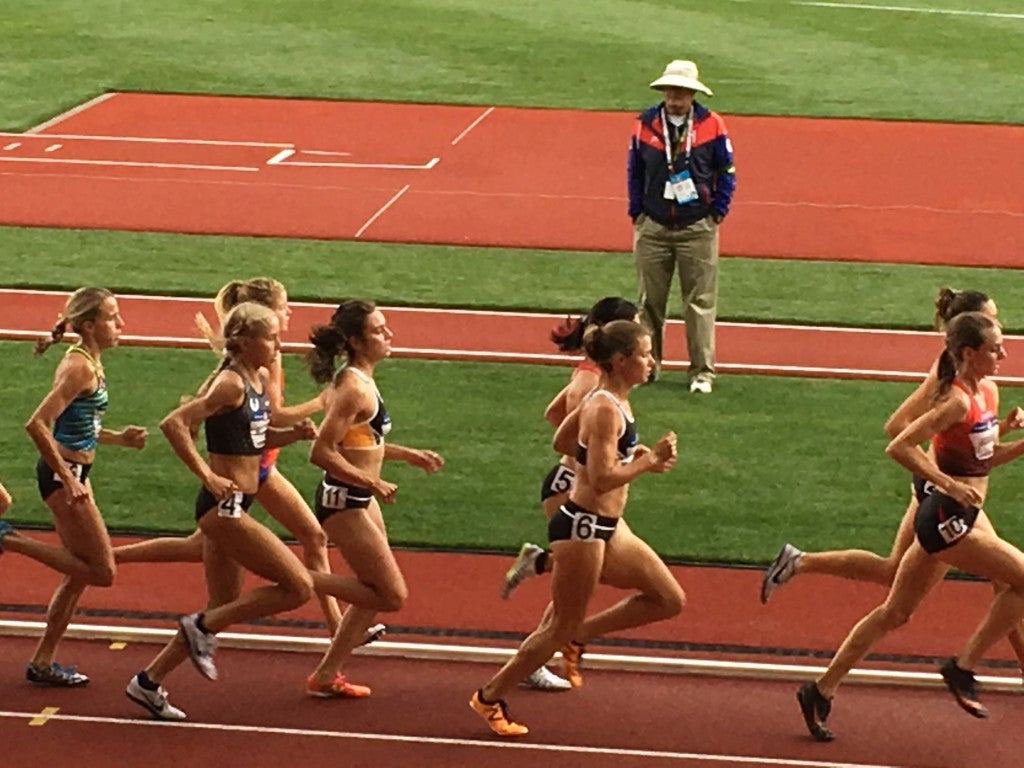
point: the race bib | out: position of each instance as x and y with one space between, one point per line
230 505
984 440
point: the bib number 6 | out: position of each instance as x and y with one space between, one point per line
584 527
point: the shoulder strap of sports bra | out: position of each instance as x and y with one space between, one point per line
362 376
622 411
97 368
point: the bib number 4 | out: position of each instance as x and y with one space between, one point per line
230 505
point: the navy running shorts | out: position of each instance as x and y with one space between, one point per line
232 505
559 480
573 522
49 481
332 496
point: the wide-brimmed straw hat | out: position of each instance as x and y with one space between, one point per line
680 74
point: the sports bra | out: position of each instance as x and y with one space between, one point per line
242 431
370 433
628 435
966 448
78 426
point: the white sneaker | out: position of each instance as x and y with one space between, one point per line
782 569
702 386
154 701
201 646
524 567
543 679
374 633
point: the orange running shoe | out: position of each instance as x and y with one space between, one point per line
572 658
497 717
338 688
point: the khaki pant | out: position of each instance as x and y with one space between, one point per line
693 250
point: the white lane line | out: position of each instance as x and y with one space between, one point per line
70 113
324 152
910 9
529 358
183 166
383 208
156 140
546 316
284 154
471 126
13 145
385 166
53 148
401 738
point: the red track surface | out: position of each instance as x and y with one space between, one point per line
427 699
256 716
820 189
789 350
483 165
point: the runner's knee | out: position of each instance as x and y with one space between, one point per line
102 574
894 616
393 597
314 544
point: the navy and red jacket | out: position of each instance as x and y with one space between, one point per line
711 168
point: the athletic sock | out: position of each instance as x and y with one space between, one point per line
541 562
480 695
145 682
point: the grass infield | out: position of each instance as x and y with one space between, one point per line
764 459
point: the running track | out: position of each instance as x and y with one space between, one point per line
686 721
682 721
538 178
519 337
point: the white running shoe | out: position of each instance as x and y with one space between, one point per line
155 702
374 633
701 386
201 646
543 679
524 566
782 569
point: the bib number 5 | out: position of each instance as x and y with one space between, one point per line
562 481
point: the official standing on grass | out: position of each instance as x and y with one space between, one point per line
680 178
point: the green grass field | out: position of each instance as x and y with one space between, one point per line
763 459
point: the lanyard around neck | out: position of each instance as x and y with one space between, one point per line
687 129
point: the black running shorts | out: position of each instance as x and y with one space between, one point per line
941 522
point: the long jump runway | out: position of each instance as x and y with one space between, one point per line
537 178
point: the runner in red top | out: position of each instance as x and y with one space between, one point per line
951 530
